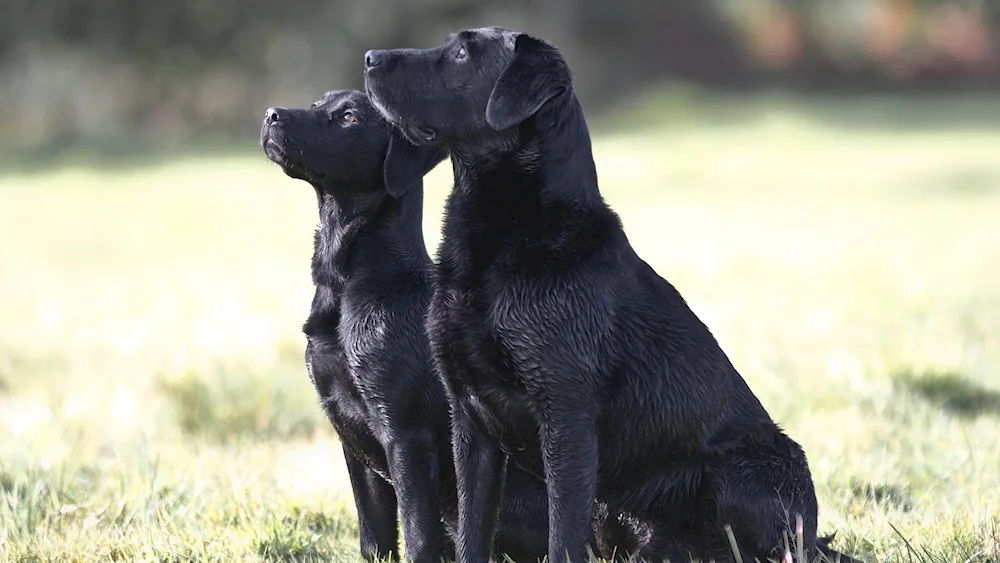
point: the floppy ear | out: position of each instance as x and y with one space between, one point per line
406 164
537 74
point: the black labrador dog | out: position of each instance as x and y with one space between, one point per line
559 346
367 354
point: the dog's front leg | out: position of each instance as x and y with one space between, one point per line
375 500
569 453
480 468
414 462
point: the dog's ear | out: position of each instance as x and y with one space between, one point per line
536 74
406 164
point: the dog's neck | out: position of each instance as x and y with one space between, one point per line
365 235
549 153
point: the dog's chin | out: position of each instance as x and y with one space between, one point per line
273 152
418 135
372 89
292 169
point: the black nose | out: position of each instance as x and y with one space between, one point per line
276 115
373 59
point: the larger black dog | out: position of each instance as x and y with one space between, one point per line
558 345
367 352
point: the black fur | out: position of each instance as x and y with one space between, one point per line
559 346
367 352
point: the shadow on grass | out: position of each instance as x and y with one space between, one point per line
951 392
882 494
228 403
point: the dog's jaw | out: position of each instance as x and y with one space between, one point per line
377 103
274 152
414 133
277 154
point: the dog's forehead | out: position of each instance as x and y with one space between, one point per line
501 35
342 97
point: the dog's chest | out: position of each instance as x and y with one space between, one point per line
364 336
343 402
462 325
485 368
488 381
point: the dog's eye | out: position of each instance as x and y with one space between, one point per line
461 54
348 118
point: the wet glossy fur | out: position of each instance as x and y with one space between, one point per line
367 352
559 346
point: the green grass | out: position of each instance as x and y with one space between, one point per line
154 405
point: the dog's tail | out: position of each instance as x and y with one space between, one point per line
831 555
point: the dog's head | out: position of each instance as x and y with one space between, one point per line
480 82
341 143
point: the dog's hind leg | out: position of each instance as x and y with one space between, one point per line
667 542
618 537
375 500
761 488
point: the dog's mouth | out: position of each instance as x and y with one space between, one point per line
415 133
425 133
277 154
273 151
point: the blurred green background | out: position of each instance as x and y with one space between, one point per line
819 179
104 75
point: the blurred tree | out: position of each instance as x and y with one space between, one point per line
117 71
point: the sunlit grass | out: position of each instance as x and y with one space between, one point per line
154 405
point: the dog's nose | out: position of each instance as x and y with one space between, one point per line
276 115
373 59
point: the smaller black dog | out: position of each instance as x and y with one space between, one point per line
367 352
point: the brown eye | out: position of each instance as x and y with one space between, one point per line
460 54
349 118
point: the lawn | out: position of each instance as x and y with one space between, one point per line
154 404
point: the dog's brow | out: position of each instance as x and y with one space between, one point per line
343 100
325 98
